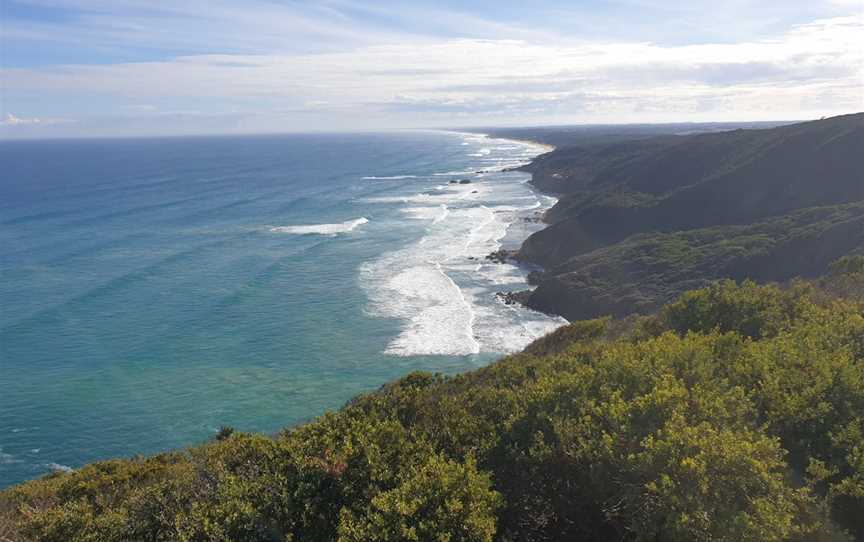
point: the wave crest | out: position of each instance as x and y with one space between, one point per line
322 229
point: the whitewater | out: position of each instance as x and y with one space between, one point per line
442 287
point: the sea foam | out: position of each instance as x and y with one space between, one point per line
322 229
414 284
435 214
441 286
389 178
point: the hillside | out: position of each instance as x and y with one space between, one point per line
647 270
612 192
734 414
580 135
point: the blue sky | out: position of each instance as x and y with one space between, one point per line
146 67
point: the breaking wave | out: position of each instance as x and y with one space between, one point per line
322 229
441 286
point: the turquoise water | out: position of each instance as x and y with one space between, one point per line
154 290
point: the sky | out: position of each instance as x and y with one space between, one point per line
101 68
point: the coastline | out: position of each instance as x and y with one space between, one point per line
548 148
443 287
512 256
647 213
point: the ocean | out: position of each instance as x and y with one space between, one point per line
154 290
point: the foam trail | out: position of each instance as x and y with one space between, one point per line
390 178
322 229
7 459
441 194
435 214
454 173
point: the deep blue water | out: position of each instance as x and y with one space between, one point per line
153 290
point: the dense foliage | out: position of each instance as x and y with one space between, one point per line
736 413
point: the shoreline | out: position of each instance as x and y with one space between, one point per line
512 256
548 148
492 206
642 206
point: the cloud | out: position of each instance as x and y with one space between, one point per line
12 120
435 82
134 29
141 108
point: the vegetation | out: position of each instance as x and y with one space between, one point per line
645 271
735 413
718 200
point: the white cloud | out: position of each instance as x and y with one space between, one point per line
141 108
12 120
436 82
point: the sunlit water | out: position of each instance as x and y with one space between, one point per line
154 290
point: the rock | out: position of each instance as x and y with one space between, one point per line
464 181
514 298
501 256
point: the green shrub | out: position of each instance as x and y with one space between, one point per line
440 500
751 310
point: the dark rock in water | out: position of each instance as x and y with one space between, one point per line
454 181
514 298
474 192
501 256
464 181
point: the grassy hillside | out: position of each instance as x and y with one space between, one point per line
614 194
734 414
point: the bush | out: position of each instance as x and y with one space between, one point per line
748 309
441 500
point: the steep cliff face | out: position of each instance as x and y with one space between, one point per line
716 193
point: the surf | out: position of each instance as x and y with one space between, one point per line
441 287
322 229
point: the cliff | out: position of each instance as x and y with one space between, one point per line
642 219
